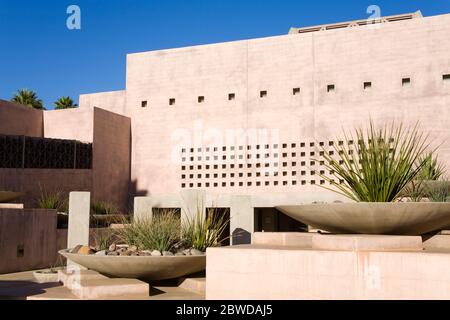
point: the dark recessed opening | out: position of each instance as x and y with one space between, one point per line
144 104
231 96
331 88
367 85
296 91
172 101
201 99
406 81
263 94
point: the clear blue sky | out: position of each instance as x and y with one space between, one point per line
38 52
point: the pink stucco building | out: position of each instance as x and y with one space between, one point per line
241 123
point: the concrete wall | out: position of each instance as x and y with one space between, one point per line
32 181
27 239
113 101
71 124
111 157
16 119
347 58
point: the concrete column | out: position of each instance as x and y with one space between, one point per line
79 212
242 220
143 207
192 201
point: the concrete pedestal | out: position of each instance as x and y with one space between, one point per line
326 267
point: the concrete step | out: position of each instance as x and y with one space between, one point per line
68 278
196 285
110 288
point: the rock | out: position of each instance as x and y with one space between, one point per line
86 250
122 246
76 249
134 254
167 253
156 253
101 253
112 247
125 253
121 250
195 252
133 249
113 253
187 252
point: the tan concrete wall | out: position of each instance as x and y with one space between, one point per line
113 101
384 55
111 157
16 119
32 230
31 181
71 124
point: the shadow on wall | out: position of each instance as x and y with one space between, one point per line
134 192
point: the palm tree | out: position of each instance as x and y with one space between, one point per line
28 98
64 103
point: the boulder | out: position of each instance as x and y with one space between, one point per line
156 253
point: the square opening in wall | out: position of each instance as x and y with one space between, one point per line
296 91
201 99
144 104
231 96
263 94
367 85
331 88
446 78
171 101
406 82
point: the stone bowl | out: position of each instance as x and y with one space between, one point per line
7 196
140 267
398 218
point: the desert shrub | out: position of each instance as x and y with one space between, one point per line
201 232
103 208
159 232
53 200
104 238
375 165
439 192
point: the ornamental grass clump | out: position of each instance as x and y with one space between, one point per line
53 200
160 232
375 165
201 233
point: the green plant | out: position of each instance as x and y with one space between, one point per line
103 208
64 103
53 200
28 98
103 238
439 192
375 165
159 232
201 232
432 169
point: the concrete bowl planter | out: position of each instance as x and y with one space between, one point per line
46 276
397 218
140 267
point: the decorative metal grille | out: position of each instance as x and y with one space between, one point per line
43 153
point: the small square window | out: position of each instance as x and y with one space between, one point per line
144 104
406 82
446 77
201 99
367 85
331 88
296 91
302 145
263 94
172 101
231 96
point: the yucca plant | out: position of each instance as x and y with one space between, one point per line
53 200
432 169
159 232
201 232
375 165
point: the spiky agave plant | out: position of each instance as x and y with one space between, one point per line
433 169
375 165
201 232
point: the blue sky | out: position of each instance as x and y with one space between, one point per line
38 52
